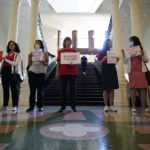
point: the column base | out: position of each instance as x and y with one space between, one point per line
121 94
24 95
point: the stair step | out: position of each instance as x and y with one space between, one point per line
88 89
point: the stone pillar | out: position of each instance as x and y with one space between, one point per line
58 39
33 24
74 39
24 97
91 40
135 18
13 25
121 95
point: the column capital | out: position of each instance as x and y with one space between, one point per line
115 1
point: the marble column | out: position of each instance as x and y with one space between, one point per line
33 25
74 39
24 97
135 18
58 39
121 95
13 25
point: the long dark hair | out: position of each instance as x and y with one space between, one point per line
106 47
65 40
41 44
17 49
136 41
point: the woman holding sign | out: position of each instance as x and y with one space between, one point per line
37 62
68 73
109 75
136 70
11 67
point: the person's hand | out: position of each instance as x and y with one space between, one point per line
72 64
59 49
3 58
104 58
117 58
123 53
57 75
142 53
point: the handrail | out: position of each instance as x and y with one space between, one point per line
98 67
51 67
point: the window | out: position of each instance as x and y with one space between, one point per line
99 37
82 39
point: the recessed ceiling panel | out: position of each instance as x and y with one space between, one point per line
75 6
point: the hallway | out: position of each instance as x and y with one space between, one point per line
89 129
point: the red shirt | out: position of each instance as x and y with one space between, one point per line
100 57
11 58
67 69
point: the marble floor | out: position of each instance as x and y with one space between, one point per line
88 129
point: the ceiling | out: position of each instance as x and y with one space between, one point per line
75 6
76 22
83 18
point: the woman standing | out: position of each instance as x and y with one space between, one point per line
109 77
36 74
11 65
136 70
68 73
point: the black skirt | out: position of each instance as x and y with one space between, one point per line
109 77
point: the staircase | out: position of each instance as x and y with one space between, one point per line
88 89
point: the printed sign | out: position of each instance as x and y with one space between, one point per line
70 58
37 55
133 51
111 57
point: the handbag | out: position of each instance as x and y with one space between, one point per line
18 78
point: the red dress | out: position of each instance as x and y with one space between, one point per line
137 78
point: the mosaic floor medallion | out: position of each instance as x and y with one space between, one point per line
74 131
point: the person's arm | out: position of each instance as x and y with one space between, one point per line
144 56
125 59
30 59
57 70
16 62
101 59
99 62
58 67
45 61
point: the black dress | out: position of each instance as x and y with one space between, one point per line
109 77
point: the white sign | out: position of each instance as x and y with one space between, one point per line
37 55
133 51
111 57
70 58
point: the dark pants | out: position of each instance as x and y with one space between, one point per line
36 83
7 81
83 67
64 82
